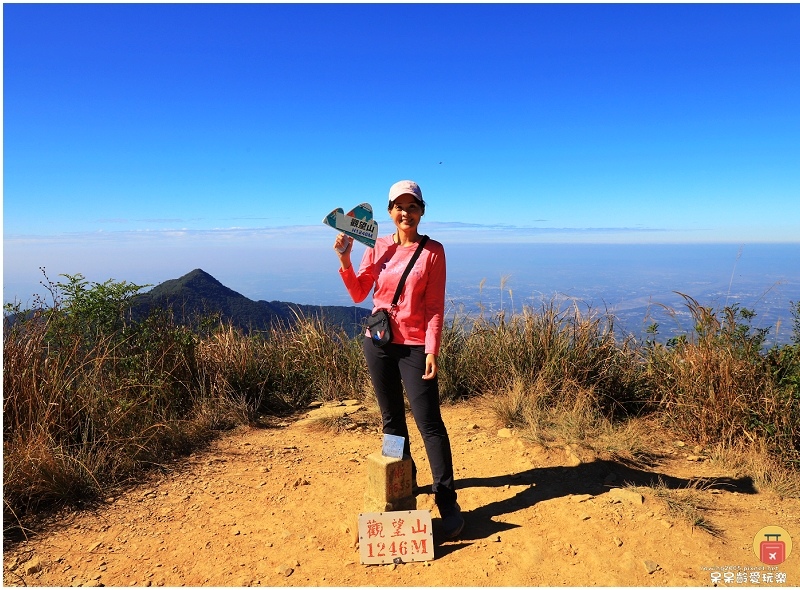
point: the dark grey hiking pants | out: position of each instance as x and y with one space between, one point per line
396 366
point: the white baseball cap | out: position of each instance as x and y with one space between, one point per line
405 187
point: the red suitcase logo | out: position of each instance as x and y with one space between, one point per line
772 551
772 545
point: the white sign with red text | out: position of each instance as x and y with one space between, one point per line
395 537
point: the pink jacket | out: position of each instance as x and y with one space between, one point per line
418 317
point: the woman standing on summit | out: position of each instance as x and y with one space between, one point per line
410 359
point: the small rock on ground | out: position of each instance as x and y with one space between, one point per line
650 566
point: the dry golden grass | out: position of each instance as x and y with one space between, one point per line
769 474
718 387
85 410
634 441
685 504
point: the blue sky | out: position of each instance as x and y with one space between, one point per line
144 140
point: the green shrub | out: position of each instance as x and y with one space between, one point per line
717 385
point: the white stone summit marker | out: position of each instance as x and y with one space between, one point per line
391 529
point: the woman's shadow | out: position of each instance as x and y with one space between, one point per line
546 483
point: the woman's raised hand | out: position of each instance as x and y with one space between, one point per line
343 246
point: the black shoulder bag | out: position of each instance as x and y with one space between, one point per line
380 328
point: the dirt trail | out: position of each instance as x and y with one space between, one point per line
278 506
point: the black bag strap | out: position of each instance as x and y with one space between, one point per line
411 263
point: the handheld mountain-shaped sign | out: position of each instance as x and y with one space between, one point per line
358 223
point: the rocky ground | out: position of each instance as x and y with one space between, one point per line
278 506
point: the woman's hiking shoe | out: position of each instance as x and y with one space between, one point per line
452 521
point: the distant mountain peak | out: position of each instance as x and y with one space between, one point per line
199 277
197 273
196 282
